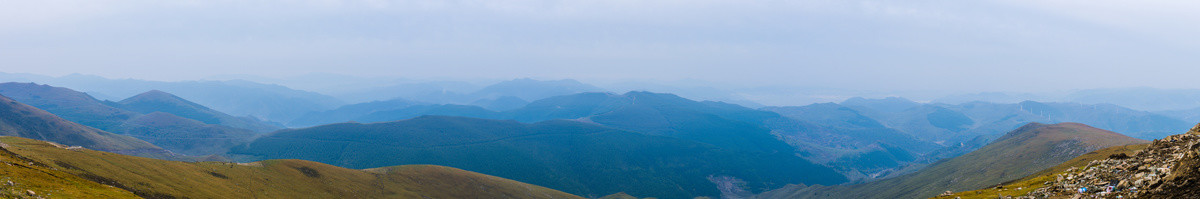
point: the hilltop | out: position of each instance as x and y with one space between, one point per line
159 101
1019 153
51 170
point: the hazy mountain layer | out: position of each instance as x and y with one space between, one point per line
158 101
848 141
236 97
180 135
17 119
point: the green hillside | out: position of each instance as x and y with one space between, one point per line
183 135
56 172
575 157
17 119
1024 151
72 105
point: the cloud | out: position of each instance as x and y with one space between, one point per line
863 44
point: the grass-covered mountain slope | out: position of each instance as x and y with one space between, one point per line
172 132
158 101
52 170
24 178
580 158
183 135
1040 179
1167 168
1021 152
17 119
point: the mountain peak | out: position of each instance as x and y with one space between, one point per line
153 95
157 92
1066 131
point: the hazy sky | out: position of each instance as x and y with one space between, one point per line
859 44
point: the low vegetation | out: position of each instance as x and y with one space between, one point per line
57 171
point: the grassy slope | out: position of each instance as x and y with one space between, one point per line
47 181
154 178
1037 180
1020 153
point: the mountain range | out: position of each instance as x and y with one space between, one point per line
639 143
236 97
575 157
17 119
865 139
157 125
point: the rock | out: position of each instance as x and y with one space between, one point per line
30 192
1149 173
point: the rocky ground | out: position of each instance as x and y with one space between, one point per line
1169 168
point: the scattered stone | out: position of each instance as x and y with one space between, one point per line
1149 173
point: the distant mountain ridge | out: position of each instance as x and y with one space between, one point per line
530 90
183 135
1019 153
875 151
844 139
17 119
961 123
236 97
159 101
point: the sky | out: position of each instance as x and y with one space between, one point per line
970 46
